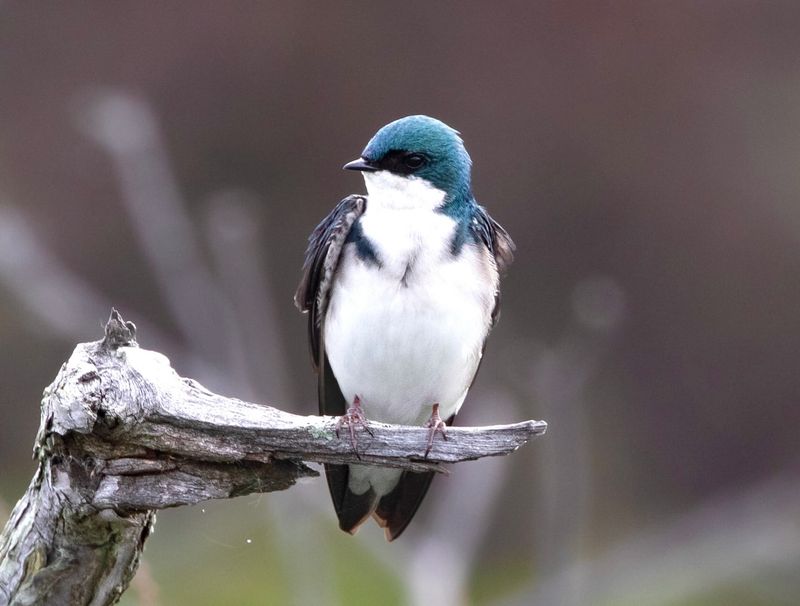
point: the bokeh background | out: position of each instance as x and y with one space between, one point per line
171 159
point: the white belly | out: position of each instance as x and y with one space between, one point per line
403 345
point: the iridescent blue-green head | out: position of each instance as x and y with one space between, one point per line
420 147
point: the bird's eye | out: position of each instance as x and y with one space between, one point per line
414 161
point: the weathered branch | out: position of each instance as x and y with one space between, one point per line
122 435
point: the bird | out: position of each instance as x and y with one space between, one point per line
401 288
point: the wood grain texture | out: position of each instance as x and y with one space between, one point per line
122 435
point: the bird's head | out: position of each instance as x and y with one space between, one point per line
417 151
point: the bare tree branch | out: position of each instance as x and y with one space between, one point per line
122 435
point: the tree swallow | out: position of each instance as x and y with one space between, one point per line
401 286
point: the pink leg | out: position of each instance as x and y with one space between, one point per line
354 416
436 425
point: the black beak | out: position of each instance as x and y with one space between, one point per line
360 164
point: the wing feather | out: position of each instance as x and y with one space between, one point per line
499 244
325 246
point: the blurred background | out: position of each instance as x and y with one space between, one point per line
171 160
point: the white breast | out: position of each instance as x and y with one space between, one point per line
409 333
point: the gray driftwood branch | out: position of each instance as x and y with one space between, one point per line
122 435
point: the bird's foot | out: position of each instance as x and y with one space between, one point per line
435 425
351 418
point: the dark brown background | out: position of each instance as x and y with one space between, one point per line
171 160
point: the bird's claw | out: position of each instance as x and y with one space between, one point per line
435 425
351 418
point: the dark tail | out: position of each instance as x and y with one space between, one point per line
396 509
352 509
393 512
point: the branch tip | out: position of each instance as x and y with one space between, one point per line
118 332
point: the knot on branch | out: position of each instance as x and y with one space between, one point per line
118 332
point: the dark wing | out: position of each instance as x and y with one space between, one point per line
500 245
325 246
496 239
322 258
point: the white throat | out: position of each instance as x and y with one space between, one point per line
398 192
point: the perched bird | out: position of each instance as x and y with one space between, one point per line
401 287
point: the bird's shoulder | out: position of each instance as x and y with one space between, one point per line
478 227
488 232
